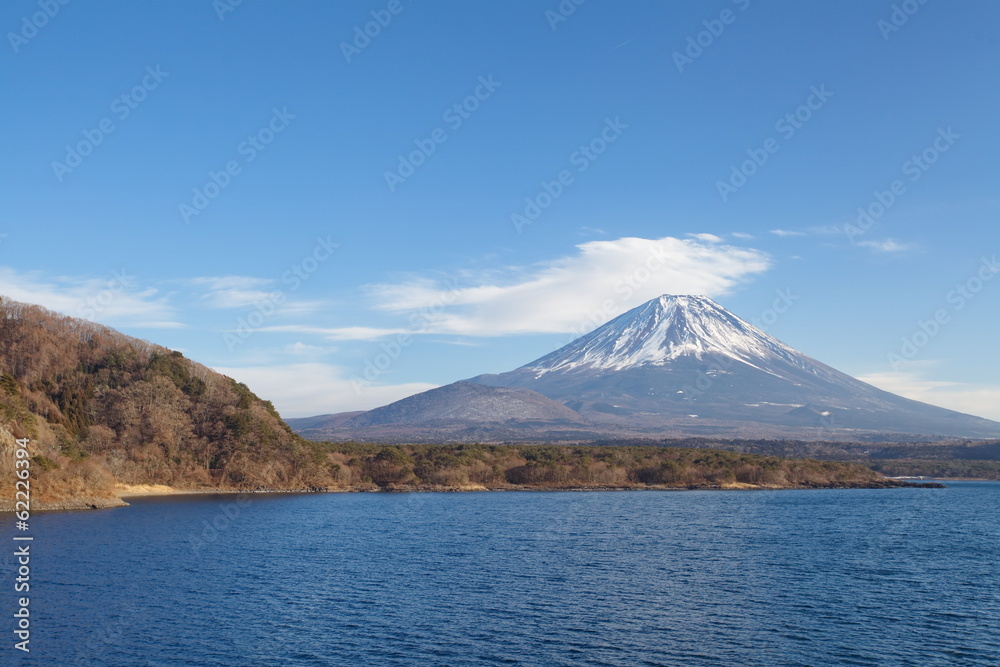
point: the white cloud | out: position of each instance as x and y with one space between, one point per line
224 292
787 232
337 333
302 349
158 325
228 282
232 291
114 299
238 298
741 235
707 238
827 230
455 341
602 280
289 307
888 245
307 389
975 399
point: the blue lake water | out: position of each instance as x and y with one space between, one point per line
900 577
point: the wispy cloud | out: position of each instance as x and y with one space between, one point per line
787 232
228 282
232 291
741 235
157 324
887 245
299 348
242 292
707 238
116 299
337 333
975 399
827 230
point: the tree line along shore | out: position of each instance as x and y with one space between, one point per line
86 483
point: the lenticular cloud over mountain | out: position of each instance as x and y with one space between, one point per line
559 296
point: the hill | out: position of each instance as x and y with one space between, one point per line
102 408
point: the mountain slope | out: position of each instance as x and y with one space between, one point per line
458 412
468 402
678 360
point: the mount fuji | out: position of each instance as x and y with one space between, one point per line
676 365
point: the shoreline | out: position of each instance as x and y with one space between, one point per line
153 490
122 492
147 490
479 488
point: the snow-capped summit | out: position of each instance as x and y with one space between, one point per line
662 330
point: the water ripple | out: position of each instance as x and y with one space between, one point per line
895 577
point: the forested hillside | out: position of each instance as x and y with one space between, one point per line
101 407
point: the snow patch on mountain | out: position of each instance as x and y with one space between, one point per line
665 329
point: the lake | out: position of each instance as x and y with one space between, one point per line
852 577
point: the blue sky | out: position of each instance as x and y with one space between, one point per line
341 219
